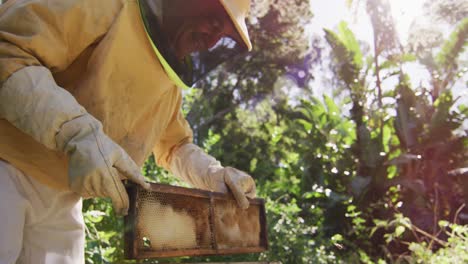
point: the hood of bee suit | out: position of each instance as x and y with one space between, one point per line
185 73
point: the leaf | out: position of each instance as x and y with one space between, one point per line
399 230
331 105
307 125
351 43
442 123
309 195
403 159
94 216
459 172
337 238
311 109
408 57
443 223
373 231
253 164
388 64
415 185
454 46
407 125
396 60
343 57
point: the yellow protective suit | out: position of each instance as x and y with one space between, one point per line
100 53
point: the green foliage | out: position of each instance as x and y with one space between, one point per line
455 250
103 236
347 54
292 238
454 45
452 250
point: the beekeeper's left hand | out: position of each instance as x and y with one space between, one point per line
193 165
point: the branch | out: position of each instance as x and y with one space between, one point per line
455 218
218 115
378 84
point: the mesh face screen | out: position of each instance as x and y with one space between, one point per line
198 64
169 221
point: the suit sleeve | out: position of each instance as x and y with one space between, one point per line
50 33
177 133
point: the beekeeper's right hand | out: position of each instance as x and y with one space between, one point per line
31 100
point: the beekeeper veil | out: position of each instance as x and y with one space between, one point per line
194 66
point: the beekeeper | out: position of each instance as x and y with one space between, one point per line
88 89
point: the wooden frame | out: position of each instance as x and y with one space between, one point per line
133 251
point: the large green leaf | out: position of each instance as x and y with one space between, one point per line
344 58
331 106
454 46
352 45
396 60
407 125
442 122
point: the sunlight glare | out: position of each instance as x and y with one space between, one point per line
404 12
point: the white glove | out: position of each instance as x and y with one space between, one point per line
31 100
191 164
95 162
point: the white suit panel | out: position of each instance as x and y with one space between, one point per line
38 224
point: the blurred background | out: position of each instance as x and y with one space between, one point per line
351 115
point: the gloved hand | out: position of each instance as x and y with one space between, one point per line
95 162
31 100
193 165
